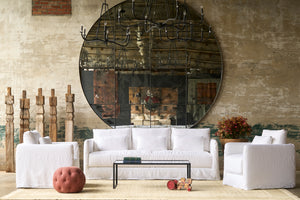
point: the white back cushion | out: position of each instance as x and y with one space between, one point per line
31 137
194 133
112 139
278 136
157 143
154 136
45 140
262 140
188 143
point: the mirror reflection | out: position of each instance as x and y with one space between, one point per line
152 63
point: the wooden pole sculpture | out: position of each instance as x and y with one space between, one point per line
53 116
69 121
40 122
9 132
24 115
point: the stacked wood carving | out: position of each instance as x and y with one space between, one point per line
69 121
40 120
9 132
53 116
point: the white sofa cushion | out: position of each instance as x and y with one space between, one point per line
278 136
262 140
111 139
143 135
195 132
156 143
31 137
188 142
234 163
199 159
45 140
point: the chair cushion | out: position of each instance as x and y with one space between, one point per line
199 159
45 140
278 136
143 135
234 163
195 132
112 139
31 137
262 140
68 180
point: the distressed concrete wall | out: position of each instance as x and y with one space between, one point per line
260 42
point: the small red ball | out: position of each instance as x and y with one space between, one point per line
171 185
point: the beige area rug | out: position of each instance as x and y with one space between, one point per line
155 190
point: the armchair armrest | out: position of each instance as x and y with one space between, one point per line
36 163
214 150
88 147
269 164
234 147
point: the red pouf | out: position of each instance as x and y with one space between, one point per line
68 180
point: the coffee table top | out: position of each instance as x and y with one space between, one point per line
155 162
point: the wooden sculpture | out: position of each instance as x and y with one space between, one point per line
9 132
69 121
24 115
40 119
53 116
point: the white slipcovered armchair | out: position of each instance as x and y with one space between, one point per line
267 162
38 158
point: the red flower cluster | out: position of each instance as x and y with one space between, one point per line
233 128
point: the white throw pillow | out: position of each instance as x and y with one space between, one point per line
156 143
31 137
147 134
112 139
278 136
262 140
188 142
45 140
197 132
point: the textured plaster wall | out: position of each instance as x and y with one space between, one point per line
260 42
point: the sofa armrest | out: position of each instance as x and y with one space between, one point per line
234 147
75 148
269 164
88 147
214 150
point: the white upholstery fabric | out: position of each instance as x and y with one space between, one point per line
197 132
156 143
259 166
36 163
199 159
45 140
278 136
147 134
205 164
262 140
31 137
112 139
188 143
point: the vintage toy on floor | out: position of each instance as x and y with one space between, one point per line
181 184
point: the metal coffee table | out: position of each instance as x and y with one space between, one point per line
149 162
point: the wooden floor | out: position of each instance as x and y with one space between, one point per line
8 184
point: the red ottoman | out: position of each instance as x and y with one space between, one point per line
68 179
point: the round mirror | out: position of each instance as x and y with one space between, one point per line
150 64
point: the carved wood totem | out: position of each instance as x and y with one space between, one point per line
40 118
9 132
53 116
24 115
69 121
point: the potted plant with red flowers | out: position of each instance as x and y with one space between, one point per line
234 129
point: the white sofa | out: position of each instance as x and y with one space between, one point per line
108 145
267 162
38 158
